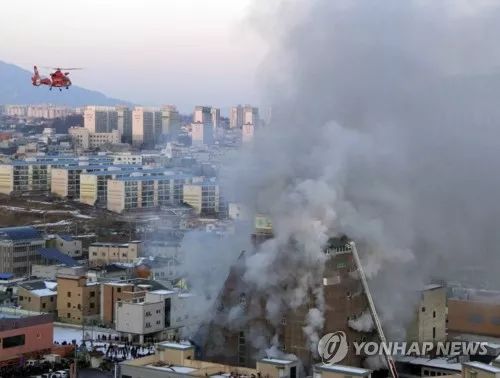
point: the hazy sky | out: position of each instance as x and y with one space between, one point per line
184 52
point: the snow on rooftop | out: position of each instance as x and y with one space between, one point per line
345 369
173 368
276 361
175 345
162 292
481 366
432 286
50 285
43 292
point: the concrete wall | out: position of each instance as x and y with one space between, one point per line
474 317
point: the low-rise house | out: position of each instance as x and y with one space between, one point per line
37 296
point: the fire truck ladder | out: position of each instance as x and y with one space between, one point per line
388 358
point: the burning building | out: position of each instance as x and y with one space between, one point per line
241 333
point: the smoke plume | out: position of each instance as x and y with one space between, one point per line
385 127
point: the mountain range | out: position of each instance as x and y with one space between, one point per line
16 88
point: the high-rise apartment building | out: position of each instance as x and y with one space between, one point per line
236 117
215 112
250 115
100 119
146 126
171 121
124 123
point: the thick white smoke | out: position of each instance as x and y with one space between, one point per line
385 127
364 323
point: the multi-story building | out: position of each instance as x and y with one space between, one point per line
78 299
37 111
139 319
25 337
100 119
34 174
18 249
65 181
67 244
143 192
94 186
215 112
429 323
114 292
85 139
203 197
146 126
127 158
236 117
107 253
250 115
177 360
37 296
202 114
344 303
124 123
171 121
202 134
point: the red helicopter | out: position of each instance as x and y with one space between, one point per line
57 79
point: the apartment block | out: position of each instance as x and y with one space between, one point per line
146 126
100 119
203 197
124 123
146 192
34 174
106 253
66 244
78 299
65 182
94 186
85 139
18 249
171 121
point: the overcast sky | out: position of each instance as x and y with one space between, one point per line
184 52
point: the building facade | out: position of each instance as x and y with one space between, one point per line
106 253
100 119
18 249
78 299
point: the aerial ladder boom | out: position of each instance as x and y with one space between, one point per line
378 326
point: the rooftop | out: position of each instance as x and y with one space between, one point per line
343 369
54 254
20 233
481 366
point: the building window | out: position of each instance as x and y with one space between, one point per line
69 305
423 309
433 314
433 332
13 341
68 315
52 299
21 298
92 294
119 290
92 305
69 294
43 305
